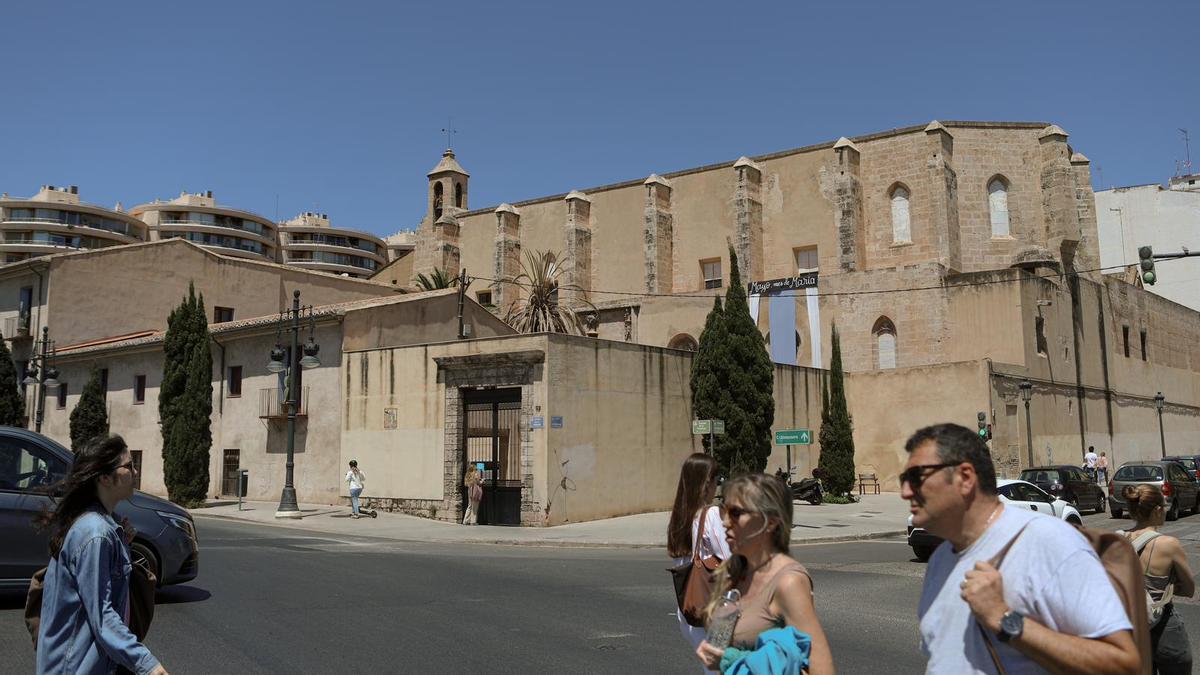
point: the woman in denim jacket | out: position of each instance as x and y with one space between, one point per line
85 599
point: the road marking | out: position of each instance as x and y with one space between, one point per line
611 636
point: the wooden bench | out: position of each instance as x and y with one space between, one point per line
867 480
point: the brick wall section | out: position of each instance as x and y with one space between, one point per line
748 212
507 263
1058 193
1087 257
659 226
577 248
943 193
920 318
846 194
980 156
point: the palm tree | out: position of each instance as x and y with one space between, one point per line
436 279
538 310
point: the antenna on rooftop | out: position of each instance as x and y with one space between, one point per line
1187 149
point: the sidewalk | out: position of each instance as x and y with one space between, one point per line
876 516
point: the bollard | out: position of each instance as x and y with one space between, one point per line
243 484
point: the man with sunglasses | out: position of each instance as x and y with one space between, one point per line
1050 606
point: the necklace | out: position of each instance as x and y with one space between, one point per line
993 516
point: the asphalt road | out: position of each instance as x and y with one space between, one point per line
271 600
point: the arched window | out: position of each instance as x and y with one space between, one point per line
901 229
884 333
437 200
683 341
458 202
998 206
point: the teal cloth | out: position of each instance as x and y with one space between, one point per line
778 651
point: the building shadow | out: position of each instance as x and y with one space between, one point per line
12 599
176 595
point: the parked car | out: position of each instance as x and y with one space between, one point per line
1189 462
1172 478
1070 483
29 465
1017 493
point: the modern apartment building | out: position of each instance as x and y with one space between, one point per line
1166 219
54 221
310 242
198 219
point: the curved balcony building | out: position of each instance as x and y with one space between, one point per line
197 218
54 221
308 241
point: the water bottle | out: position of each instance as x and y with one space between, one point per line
724 618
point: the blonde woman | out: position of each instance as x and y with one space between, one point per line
776 591
1165 566
473 487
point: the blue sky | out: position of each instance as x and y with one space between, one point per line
338 107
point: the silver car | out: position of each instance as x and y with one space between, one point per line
29 465
1171 477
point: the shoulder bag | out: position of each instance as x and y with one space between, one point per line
694 579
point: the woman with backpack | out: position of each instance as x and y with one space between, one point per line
1167 573
85 600
695 526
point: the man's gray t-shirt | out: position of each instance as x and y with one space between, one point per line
1051 575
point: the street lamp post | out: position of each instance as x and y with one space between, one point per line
288 507
1159 401
1026 388
42 374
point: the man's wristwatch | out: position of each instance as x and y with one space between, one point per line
1012 624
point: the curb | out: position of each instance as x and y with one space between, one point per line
549 543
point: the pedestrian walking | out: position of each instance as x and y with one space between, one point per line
473 486
695 526
775 590
1102 469
1167 574
85 597
1008 590
355 479
1090 458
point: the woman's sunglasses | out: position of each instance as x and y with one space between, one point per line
736 512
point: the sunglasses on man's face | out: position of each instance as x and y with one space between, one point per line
916 476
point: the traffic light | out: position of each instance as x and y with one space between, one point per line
1146 254
984 432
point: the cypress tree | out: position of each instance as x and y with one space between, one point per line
837 429
185 401
748 398
12 405
707 375
90 416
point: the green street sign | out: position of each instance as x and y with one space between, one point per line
793 437
718 426
701 427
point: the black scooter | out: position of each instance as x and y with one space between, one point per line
806 489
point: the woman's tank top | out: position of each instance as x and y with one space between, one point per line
756 611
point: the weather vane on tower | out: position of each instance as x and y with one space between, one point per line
449 129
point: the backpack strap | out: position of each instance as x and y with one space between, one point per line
987 639
1143 539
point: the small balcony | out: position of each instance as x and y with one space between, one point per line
17 327
272 403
